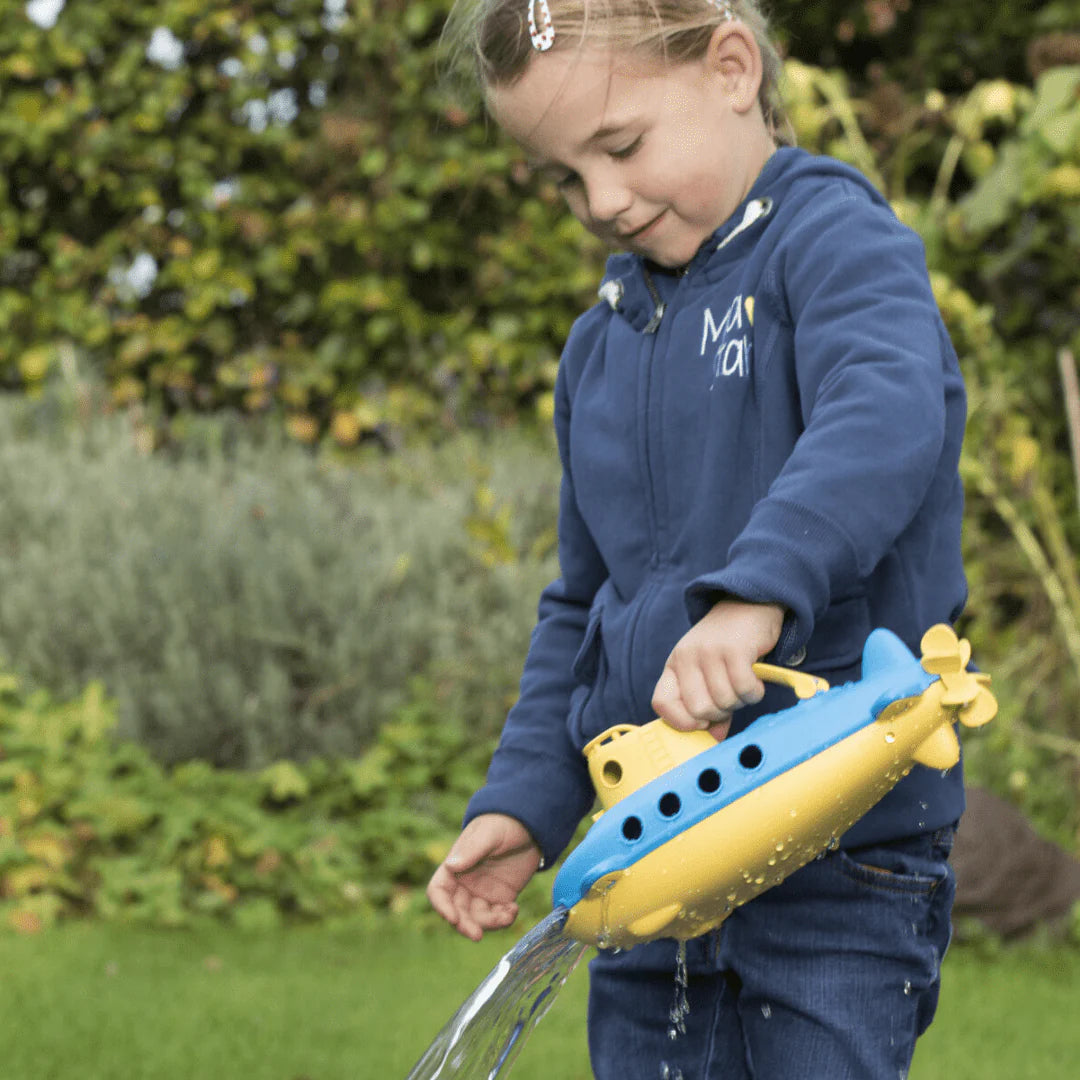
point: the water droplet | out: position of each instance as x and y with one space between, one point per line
907 987
780 845
680 1007
766 1010
732 897
890 737
793 812
772 860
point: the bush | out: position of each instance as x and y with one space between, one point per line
92 826
244 600
273 207
213 207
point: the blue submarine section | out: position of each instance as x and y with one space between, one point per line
776 742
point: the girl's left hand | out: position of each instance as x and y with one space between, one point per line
709 672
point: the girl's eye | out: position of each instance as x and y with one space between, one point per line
626 151
567 180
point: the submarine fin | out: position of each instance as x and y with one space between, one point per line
882 652
940 750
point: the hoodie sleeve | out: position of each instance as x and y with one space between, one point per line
870 363
537 774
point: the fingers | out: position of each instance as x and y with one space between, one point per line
471 915
475 887
693 694
720 731
686 701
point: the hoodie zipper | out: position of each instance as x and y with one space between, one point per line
659 307
754 212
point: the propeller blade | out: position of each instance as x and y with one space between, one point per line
940 650
981 711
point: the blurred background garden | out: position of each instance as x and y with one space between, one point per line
279 323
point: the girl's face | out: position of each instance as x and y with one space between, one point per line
650 157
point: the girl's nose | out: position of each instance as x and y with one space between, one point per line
606 198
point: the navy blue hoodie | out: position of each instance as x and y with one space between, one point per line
781 422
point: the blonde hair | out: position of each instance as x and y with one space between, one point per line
492 36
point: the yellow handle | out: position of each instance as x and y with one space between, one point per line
804 685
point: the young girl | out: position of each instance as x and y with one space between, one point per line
759 426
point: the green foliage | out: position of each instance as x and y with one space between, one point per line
323 234
988 179
288 214
91 825
948 46
244 600
253 225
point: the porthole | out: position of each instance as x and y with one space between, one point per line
750 756
708 781
612 773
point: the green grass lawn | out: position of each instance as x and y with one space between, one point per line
95 1002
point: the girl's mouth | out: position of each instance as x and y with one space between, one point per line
645 230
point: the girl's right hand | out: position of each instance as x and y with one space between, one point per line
476 886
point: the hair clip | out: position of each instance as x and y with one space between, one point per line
542 37
725 9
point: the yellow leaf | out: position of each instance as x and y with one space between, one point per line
48 849
1024 458
545 407
23 880
21 66
34 363
217 852
285 781
1062 182
345 428
214 884
437 850
302 427
400 899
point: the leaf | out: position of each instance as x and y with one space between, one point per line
284 781
992 200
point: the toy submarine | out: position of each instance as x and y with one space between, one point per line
691 828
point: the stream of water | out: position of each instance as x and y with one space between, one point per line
484 1037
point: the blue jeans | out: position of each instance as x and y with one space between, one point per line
831 975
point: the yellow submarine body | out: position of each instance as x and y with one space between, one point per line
691 828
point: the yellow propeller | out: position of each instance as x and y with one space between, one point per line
946 655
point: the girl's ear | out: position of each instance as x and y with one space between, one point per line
733 53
